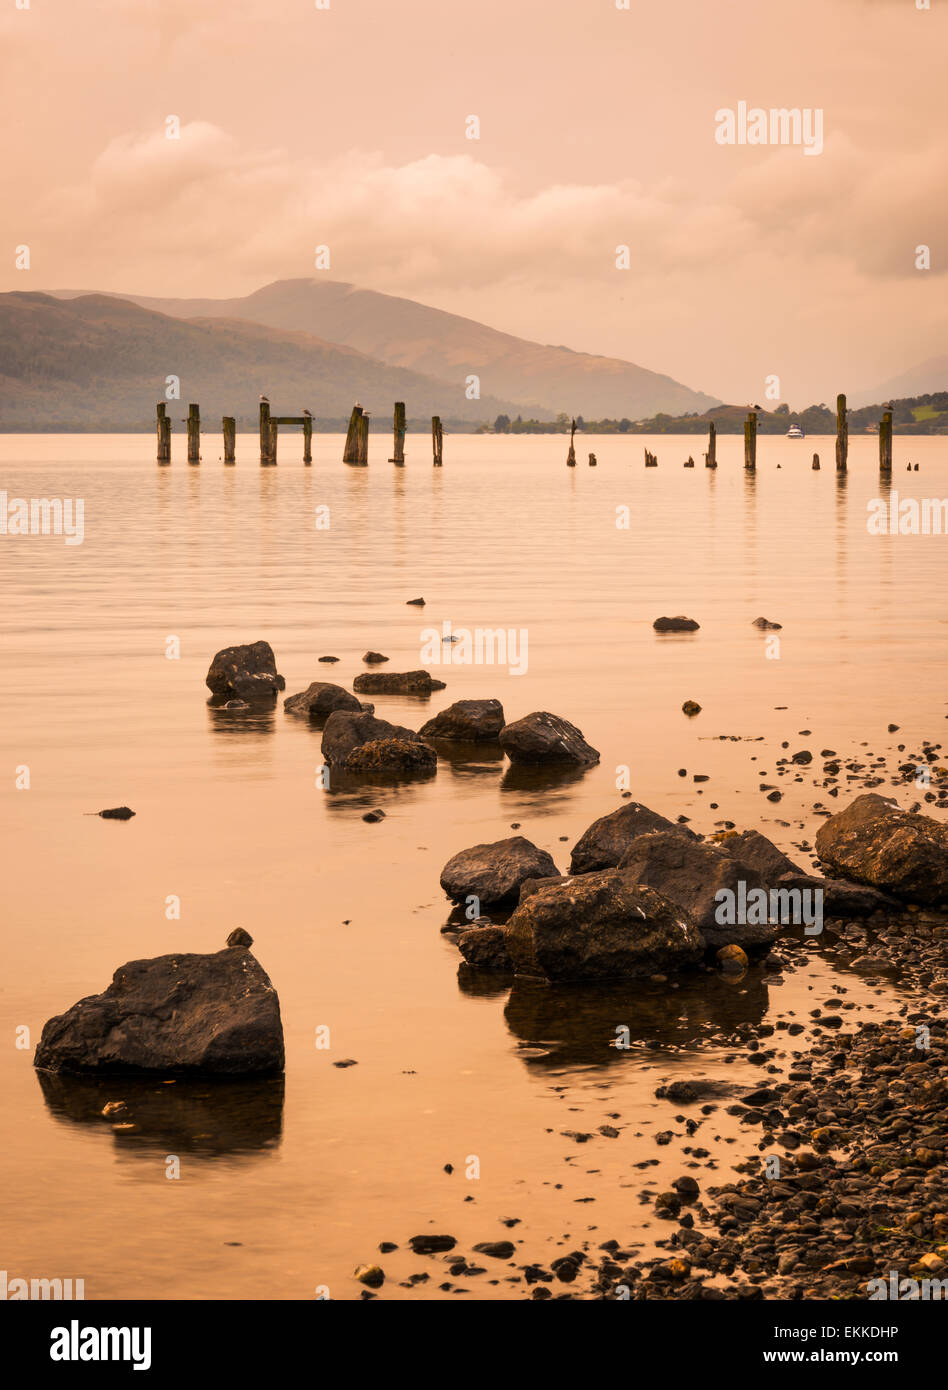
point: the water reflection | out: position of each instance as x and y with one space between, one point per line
207 1119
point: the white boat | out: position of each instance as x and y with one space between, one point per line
795 432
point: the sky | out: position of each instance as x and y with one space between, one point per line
348 127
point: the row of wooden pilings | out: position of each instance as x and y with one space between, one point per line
356 450
842 440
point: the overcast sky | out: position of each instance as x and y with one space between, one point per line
302 126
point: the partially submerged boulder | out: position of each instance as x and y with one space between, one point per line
321 699
543 738
396 683
248 672
207 1015
607 839
750 847
691 874
874 842
840 897
485 948
392 755
467 721
600 926
345 730
678 624
493 873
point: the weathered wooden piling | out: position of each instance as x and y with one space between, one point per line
398 454
265 432
363 438
571 456
651 460
711 457
229 427
689 462
842 434
816 462
272 450
750 441
307 440
350 453
593 461
164 433
194 434
437 441
885 442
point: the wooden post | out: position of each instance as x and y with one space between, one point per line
272 450
363 439
229 426
750 441
194 434
437 440
571 456
816 461
398 455
350 453
164 434
842 434
651 460
885 442
307 440
264 433
711 457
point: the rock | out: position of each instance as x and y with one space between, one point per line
607 839
467 721
345 730
752 848
373 817
600 926
690 873
766 626
493 873
542 738
840 898
249 672
392 755
117 813
537 885
732 959
431 1245
320 699
485 948
202 1015
415 602
875 842
372 1275
678 624
496 1249
396 683
691 708
373 658
236 704
239 937
330 659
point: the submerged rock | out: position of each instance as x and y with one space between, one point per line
600 926
213 1015
678 624
320 699
374 658
117 813
249 672
607 839
545 738
875 842
392 755
493 873
345 730
396 683
467 721
766 626
485 948
690 874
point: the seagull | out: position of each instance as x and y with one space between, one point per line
265 400
308 414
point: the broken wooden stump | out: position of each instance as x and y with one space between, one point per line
842 434
229 428
437 441
398 454
194 434
750 441
164 434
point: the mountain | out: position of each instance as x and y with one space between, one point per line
98 362
926 379
406 334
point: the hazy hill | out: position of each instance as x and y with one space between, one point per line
97 362
406 334
927 378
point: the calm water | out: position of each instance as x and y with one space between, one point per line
283 1191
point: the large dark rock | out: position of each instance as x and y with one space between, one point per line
345 730
248 672
493 873
690 874
392 755
608 838
678 624
321 699
542 738
875 842
396 683
752 848
600 926
485 948
213 1015
840 897
467 721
